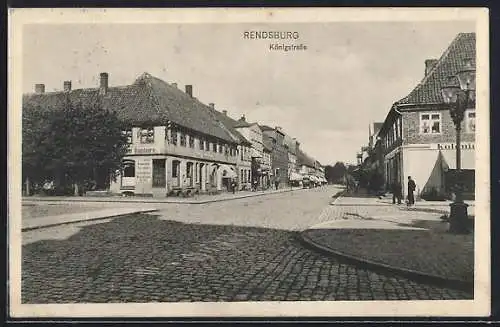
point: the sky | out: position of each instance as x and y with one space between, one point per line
326 96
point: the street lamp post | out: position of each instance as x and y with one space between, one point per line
459 96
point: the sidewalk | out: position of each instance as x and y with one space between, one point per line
49 221
413 242
442 207
197 199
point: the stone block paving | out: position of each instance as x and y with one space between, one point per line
141 258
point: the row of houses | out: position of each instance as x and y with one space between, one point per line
178 143
417 137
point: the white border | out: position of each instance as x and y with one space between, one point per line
480 306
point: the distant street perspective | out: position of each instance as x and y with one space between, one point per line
341 169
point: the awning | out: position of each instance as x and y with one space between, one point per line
468 159
295 176
227 172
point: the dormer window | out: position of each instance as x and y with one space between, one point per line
147 135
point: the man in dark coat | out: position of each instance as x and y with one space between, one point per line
411 188
396 192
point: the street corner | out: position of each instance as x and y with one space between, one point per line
417 252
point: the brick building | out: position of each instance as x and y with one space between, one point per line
279 154
417 137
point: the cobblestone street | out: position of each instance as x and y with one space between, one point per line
240 250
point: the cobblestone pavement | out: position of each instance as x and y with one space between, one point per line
242 250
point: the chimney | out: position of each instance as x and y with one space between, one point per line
103 87
243 118
224 112
189 90
212 105
67 86
429 64
39 88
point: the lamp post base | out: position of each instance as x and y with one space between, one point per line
459 219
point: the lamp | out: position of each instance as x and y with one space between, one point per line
458 93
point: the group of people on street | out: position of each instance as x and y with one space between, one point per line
255 184
397 192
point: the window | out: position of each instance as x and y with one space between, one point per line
430 123
470 121
147 135
202 144
191 141
175 168
214 147
128 135
220 147
183 139
128 168
173 137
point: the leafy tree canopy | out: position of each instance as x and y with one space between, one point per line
72 144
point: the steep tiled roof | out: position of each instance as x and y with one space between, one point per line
230 124
266 128
304 159
147 100
267 142
452 60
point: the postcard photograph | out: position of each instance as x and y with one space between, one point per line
248 162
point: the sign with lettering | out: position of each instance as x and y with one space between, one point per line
452 146
143 170
143 150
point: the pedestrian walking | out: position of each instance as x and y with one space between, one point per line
411 188
396 192
276 184
233 185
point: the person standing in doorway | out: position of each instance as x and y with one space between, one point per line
276 183
411 188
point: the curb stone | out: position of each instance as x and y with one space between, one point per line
117 200
26 229
467 286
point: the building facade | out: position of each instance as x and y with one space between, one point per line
279 154
174 141
418 135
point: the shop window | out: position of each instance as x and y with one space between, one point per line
147 135
128 168
470 121
189 170
430 123
175 168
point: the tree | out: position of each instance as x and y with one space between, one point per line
72 146
336 173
